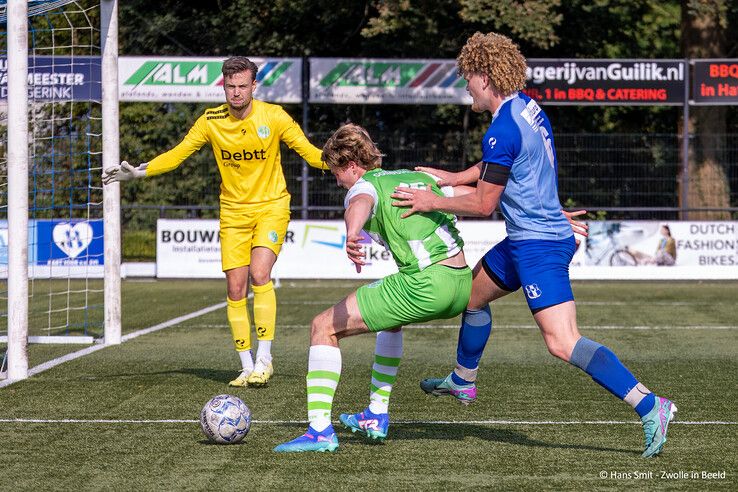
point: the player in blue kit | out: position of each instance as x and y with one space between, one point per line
518 171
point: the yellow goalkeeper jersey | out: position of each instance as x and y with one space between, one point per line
247 152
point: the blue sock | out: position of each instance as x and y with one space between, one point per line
606 369
476 325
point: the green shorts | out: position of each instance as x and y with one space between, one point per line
438 292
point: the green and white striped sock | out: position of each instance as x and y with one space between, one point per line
387 355
324 371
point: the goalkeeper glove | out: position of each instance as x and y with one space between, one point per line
124 172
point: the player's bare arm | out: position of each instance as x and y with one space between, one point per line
448 178
356 215
481 203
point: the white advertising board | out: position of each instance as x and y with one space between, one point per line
188 249
312 249
315 249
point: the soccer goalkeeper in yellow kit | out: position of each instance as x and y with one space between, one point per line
254 203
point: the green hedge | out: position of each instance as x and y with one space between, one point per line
139 246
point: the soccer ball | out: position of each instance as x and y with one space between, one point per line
225 419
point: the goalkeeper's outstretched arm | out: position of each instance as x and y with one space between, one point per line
124 172
193 141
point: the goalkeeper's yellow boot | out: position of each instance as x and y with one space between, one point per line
263 370
242 380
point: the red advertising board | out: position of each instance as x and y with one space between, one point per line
606 82
715 82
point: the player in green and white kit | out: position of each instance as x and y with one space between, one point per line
433 282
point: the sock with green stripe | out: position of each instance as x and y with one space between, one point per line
387 355
324 371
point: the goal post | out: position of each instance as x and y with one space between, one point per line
17 166
60 273
111 157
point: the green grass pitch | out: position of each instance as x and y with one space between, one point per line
538 423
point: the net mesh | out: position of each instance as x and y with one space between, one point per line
65 153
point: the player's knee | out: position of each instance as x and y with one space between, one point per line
558 349
260 276
236 288
236 292
319 328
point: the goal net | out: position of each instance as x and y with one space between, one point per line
65 247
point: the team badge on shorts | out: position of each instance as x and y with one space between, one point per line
532 291
263 131
273 237
375 284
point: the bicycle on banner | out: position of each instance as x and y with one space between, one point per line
603 246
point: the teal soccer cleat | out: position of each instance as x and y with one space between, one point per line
312 440
466 393
655 425
372 425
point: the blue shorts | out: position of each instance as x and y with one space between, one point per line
540 267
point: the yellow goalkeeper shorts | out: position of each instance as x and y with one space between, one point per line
252 226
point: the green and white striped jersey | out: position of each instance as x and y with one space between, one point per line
415 242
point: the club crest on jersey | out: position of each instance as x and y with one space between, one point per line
533 291
263 131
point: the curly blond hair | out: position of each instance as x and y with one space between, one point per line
351 143
498 57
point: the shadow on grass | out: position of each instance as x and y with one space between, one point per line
217 375
460 431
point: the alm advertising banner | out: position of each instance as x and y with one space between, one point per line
614 250
386 81
191 79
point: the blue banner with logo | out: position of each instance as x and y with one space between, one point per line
59 78
65 243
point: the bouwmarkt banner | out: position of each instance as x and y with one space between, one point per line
386 81
606 82
191 79
311 249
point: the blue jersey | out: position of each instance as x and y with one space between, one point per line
520 137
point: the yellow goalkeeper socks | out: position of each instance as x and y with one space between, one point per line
265 310
238 319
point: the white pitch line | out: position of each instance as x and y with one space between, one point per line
173 321
534 327
513 303
86 351
404 422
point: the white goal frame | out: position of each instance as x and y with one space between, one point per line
18 163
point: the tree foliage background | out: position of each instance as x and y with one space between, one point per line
417 29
